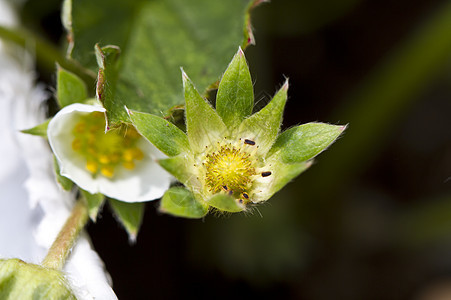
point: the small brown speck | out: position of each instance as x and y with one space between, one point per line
249 142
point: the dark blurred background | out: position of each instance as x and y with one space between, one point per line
372 218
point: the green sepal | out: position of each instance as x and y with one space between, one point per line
69 88
235 98
181 202
264 126
130 216
19 280
283 174
94 201
107 60
179 167
224 202
65 182
203 124
301 143
39 130
164 135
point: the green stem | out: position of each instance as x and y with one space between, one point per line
61 247
46 53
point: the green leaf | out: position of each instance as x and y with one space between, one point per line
181 203
301 143
203 124
65 182
264 126
179 167
90 22
235 98
39 130
160 132
224 202
130 215
70 88
95 201
107 58
19 280
157 37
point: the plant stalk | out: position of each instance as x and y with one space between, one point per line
61 247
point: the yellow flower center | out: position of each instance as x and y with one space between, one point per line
105 151
229 169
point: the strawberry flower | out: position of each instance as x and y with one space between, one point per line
120 163
230 159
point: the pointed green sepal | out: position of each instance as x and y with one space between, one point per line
69 88
181 202
179 167
161 133
203 124
19 280
130 215
39 130
94 201
65 182
224 202
301 143
282 174
235 98
264 126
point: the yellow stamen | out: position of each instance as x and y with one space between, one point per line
129 165
76 144
128 155
229 167
80 127
107 171
92 166
138 154
104 159
105 151
114 158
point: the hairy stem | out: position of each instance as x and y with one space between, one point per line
61 247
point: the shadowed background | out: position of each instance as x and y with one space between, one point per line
372 218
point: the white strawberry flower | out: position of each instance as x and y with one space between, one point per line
119 163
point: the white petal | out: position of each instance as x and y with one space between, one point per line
148 181
17 220
60 137
86 273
